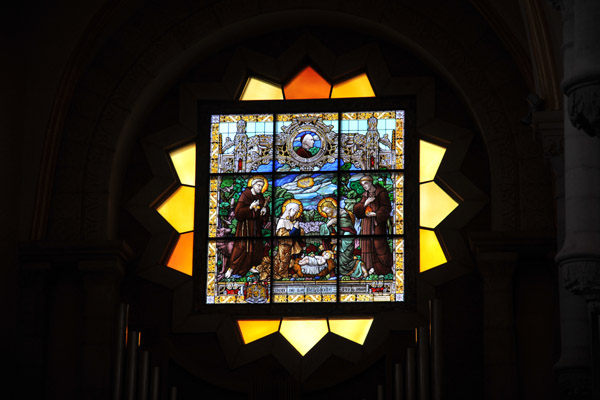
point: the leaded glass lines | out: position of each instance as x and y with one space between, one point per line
306 208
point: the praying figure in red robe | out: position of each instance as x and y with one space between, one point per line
374 209
251 214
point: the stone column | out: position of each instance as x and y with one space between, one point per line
35 281
78 286
579 258
500 369
581 53
102 268
573 366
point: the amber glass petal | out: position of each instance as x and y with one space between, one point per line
178 209
435 205
257 89
303 334
308 84
359 86
431 156
431 252
181 257
351 329
184 161
252 330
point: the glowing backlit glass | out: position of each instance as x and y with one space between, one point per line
257 89
252 330
431 252
430 159
325 247
184 161
182 254
359 86
308 84
178 209
435 205
303 334
351 329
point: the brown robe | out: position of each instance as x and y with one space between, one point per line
375 251
248 253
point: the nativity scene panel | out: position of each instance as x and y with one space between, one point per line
320 221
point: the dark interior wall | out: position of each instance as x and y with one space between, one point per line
463 320
11 118
36 57
36 41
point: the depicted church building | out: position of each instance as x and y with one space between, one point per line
244 199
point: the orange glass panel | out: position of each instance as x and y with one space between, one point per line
181 257
308 84
359 86
252 330
431 252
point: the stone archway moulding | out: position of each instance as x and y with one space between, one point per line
103 141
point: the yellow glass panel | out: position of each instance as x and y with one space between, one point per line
431 156
257 89
184 161
431 252
303 334
181 257
308 84
359 86
178 209
351 329
435 205
252 330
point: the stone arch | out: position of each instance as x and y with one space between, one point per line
116 94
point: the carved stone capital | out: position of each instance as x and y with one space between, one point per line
548 126
584 108
575 384
582 277
564 6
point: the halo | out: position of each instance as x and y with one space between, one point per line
320 205
265 182
300 207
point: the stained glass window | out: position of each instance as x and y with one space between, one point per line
337 148
306 208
